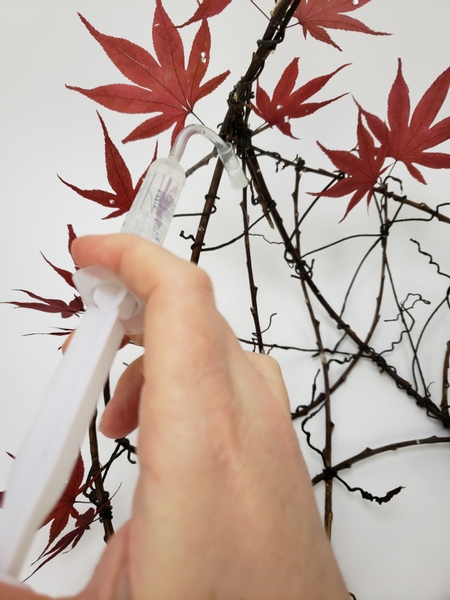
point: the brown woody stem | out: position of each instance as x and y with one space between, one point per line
102 499
210 200
251 280
445 384
368 452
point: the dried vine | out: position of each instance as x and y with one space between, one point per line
346 347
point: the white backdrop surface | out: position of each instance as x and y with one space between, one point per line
397 551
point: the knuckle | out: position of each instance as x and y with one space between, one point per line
194 278
203 281
265 361
272 364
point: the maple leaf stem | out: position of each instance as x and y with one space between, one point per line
261 128
260 9
197 117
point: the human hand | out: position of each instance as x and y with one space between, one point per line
223 507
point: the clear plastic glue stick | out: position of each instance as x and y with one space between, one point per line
152 211
46 457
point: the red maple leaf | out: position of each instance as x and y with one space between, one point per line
72 237
407 139
50 305
287 104
54 305
66 275
60 332
82 524
207 9
119 178
59 516
316 15
362 172
165 87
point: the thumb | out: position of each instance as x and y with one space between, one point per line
110 578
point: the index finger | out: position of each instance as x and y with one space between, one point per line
184 333
142 265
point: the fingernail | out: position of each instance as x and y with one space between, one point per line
101 426
100 423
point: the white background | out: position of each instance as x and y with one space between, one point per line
396 551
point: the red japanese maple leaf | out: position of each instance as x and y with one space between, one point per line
407 139
362 172
165 87
50 305
54 305
316 15
66 275
59 516
82 524
207 9
287 104
119 178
